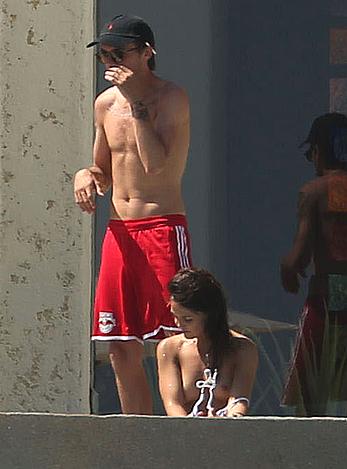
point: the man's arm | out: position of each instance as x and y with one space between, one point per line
170 383
97 178
165 137
297 260
168 135
243 379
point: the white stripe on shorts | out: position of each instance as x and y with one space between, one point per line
182 246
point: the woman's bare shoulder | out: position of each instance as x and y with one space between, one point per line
171 344
243 344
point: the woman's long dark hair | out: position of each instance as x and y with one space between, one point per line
198 290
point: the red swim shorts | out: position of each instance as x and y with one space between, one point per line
139 258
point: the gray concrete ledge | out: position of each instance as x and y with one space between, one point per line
54 441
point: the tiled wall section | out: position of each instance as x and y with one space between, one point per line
338 56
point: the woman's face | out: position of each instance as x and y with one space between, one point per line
191 322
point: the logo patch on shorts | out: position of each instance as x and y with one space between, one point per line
107 322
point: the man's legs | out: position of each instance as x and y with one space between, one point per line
133 389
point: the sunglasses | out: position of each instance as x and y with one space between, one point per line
116 55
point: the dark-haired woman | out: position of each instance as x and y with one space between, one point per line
208 370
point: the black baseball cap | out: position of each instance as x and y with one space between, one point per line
329 131
324 126
123 29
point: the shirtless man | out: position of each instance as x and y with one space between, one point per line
208 370
322 238
140 151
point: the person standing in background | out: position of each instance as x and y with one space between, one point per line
318 372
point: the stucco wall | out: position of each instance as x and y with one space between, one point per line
46 91
90 442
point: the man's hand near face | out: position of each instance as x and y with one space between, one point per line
124 79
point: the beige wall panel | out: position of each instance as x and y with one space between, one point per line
46 92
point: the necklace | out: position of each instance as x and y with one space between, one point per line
207 359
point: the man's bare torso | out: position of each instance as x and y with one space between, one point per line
135 193
324 202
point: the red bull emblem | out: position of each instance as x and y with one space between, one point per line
106 322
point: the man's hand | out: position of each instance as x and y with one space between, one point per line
86 184
289 278
123 78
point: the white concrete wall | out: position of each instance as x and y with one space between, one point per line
46 92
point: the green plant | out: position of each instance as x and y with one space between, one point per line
325 374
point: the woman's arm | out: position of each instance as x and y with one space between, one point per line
170 381
243 380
